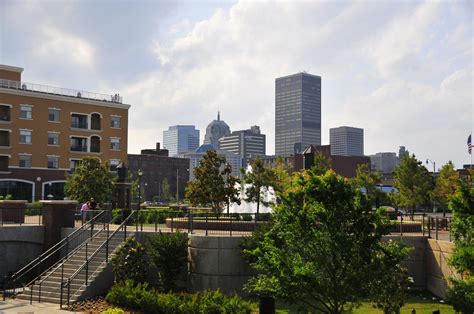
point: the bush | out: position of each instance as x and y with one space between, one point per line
247 217
139 297
33 209
461 295
129 262
169 254
115 310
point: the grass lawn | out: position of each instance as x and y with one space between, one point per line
422 303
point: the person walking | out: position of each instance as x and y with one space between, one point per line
84 211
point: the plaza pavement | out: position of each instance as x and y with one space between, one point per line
15 306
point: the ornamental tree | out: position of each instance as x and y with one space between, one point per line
257 182
91 179
322 247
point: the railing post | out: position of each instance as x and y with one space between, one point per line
125 232
92 227
39 292
207 220
61 295
31 293
172 222
68 291
401 224
429 227
107 246
230 218
423 224
436 228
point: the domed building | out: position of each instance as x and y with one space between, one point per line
215 130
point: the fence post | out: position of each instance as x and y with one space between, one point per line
436 228
429 227
230 218
207 220
172 222
401 224
423 225
107 245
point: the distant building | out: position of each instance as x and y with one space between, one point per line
384 162
234 160
215 130
345 166
402 153
180 139
159 170
346 141
297 113
248 143
46 131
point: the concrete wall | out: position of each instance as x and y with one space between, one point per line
437 268
18 246
216 262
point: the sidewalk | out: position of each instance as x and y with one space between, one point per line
15 306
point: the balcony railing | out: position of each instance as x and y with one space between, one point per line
78 148
59 91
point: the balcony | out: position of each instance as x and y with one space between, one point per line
44 89
79 148
5 113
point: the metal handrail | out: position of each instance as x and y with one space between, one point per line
67 282
46 255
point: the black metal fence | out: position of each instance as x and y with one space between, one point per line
20 216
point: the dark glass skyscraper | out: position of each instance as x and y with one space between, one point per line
297 113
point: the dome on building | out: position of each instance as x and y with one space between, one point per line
215 130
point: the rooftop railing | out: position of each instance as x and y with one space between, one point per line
45 89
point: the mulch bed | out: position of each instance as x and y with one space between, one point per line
94 305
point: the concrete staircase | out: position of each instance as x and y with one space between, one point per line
51 280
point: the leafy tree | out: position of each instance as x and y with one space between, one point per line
321 248
208 189
321 164
369 180
90 179
169 254
165 190
413 183
232 193
461 293
257 182
129 263
281 177
446 184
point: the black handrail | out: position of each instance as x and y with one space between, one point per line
10 280
88 258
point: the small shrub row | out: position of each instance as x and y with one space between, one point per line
140 297
147 216
33 209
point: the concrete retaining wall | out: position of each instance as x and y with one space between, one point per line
437 268
216 262
18 246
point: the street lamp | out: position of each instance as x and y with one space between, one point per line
140 174
434 180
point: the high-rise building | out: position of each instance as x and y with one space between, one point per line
45 131
297 113
248 143
179 139
384 162
215 130
346 141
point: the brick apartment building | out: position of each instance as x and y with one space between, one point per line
45 131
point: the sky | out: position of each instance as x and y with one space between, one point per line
401 70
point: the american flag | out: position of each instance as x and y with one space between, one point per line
469 144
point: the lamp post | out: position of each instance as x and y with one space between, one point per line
177 186
434 180
140 174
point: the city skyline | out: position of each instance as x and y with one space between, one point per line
402 71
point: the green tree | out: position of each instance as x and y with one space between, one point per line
321 247
369 181
165 190
232 192
461 292
321 164
90 179
446 184
208 189
281 177
413 183
257 182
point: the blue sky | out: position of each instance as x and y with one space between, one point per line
402 70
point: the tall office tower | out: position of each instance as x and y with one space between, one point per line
384 162
247 143
215 130
179 139
346 141
297 113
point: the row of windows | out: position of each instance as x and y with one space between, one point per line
77 120
53 162
53 139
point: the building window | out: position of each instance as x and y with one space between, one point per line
4 113
4 138
53 138
4 163
25 137
115 122
79 121
113 164
26 112
115 143
78 144
95 144
74 163
95 121
53 162
25 161
53 115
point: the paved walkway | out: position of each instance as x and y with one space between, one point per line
15 306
